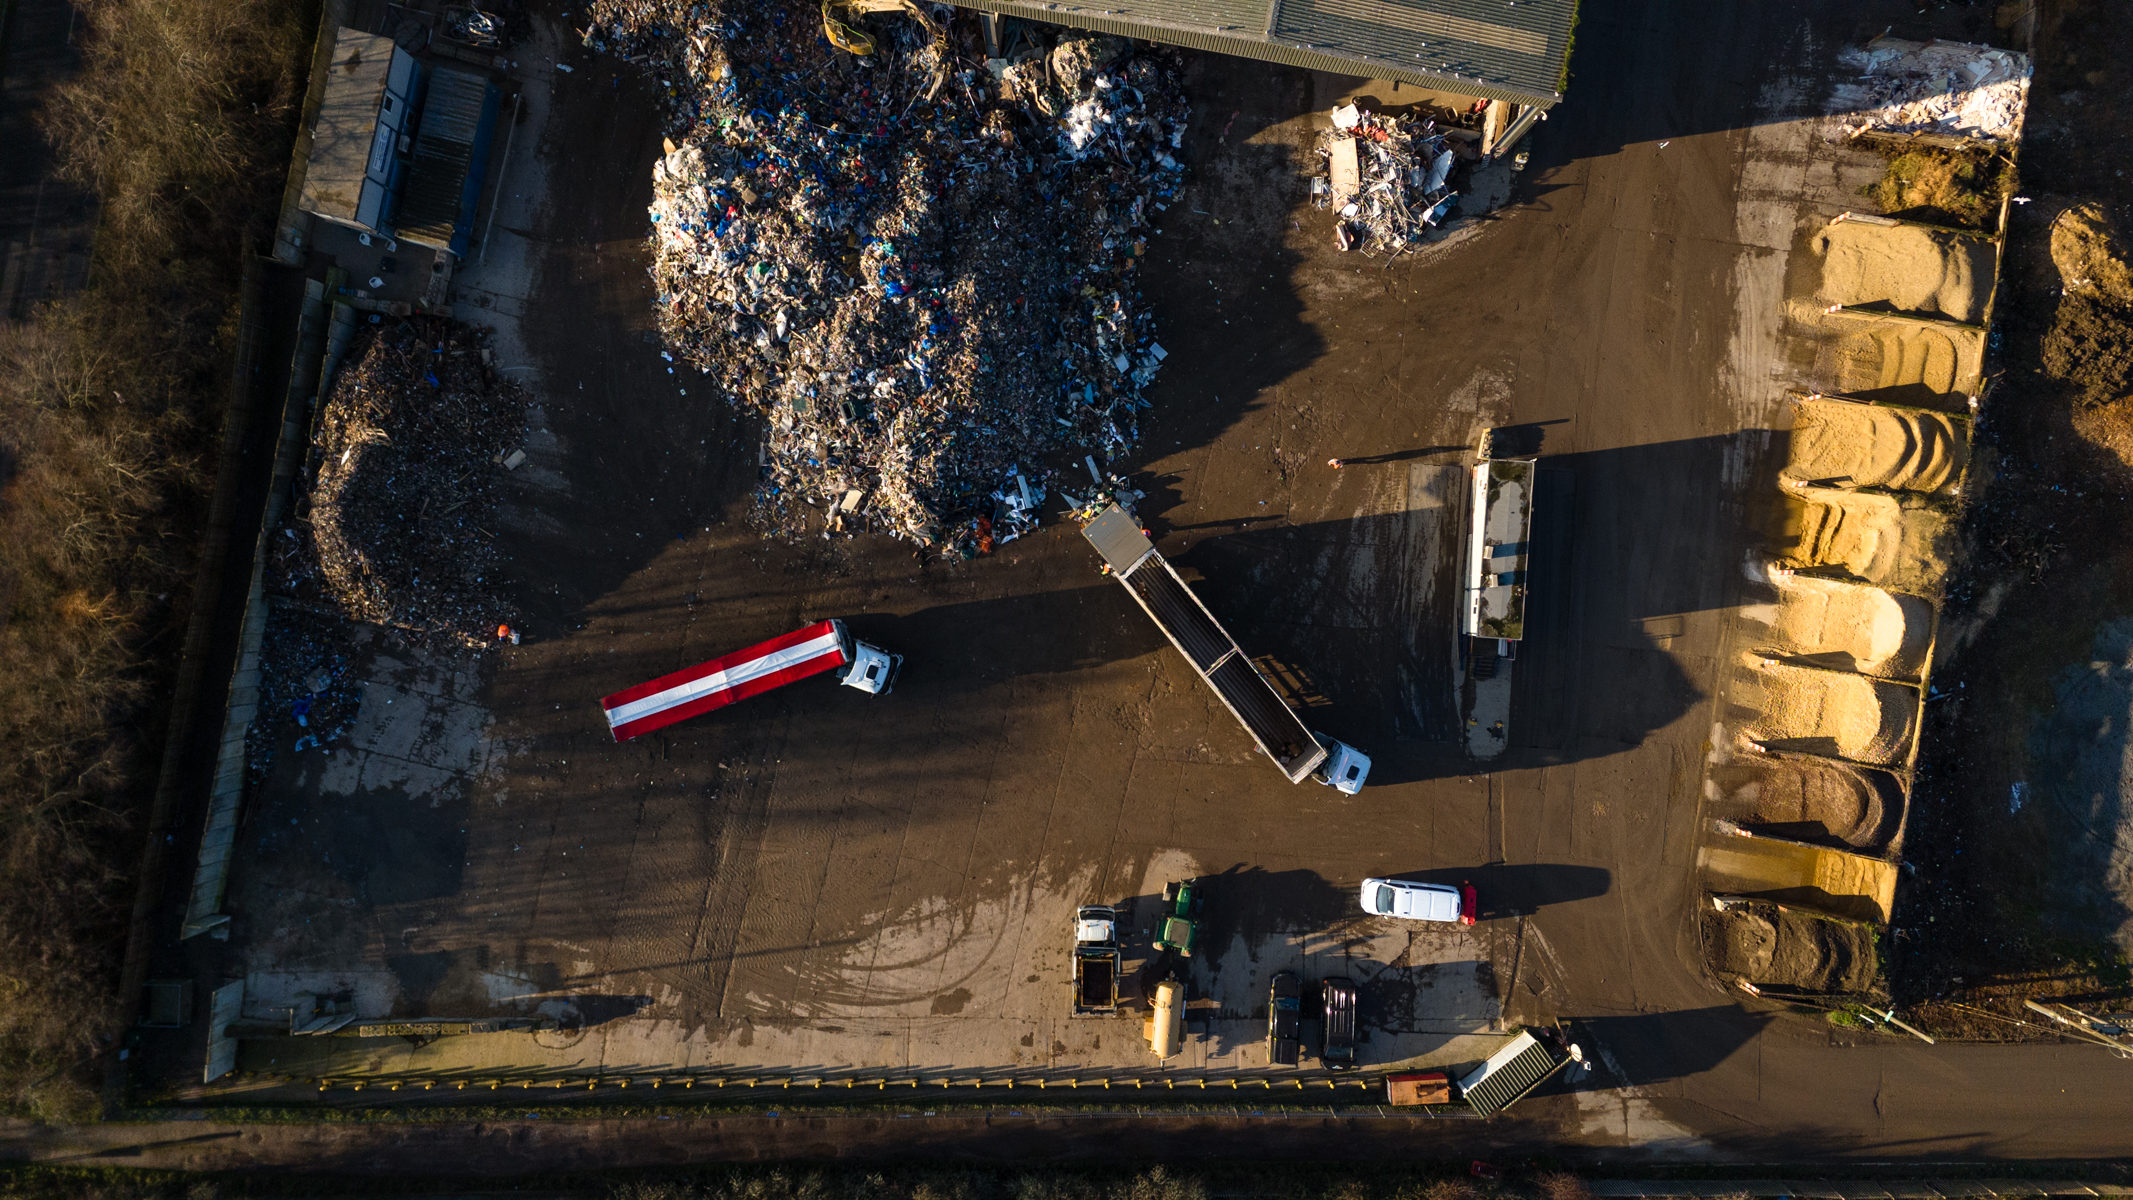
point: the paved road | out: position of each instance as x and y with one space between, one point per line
1625 308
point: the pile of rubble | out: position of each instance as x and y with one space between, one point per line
1950 88
411 440
916 264
1389 178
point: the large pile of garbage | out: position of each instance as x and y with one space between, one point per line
916 264
1388 177
411 441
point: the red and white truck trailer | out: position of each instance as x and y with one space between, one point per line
822 646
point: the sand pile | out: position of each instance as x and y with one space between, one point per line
1856 356
1863 628
1809 799
1907 268
1838 882
2091 254
1839 443
1814 711
1773 947
1900 542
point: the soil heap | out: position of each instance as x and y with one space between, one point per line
917 267
410 442
2090 342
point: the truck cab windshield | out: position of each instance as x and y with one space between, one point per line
1384 899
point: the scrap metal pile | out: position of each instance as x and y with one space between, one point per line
1388 178
411 441
915 264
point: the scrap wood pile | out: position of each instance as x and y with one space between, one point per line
1388 178
410 442
917 266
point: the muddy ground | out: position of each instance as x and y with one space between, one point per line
2021 833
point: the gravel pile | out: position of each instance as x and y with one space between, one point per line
413 438
917 266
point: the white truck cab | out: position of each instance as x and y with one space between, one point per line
869 668
1345 767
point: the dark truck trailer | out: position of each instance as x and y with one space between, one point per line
1215 656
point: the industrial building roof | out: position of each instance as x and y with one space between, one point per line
435 202
1513 50
347 123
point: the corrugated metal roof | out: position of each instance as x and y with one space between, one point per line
1489 48
434 197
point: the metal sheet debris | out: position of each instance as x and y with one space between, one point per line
916 271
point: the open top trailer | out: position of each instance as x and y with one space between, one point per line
1156 586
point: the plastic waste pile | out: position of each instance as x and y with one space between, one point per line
399 528
1388 178
916 265
308 697
1952 88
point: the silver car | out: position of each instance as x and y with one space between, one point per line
1420 901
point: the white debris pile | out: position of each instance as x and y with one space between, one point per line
916 265
1953 88
1388 178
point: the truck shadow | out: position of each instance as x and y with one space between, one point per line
1522 889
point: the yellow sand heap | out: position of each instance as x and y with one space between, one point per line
1828 712
1861 628
1899 542
1839 443
1834 881
1906 268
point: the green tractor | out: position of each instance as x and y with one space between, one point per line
1179 928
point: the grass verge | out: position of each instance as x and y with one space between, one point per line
182 119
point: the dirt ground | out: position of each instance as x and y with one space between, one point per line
818 877
2021 836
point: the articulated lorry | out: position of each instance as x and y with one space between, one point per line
1171 604
825 646
1096 961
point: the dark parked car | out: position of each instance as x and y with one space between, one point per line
1284 1013
1338 1053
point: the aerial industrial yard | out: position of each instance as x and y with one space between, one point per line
1473 618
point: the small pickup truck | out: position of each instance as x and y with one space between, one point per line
1096 961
